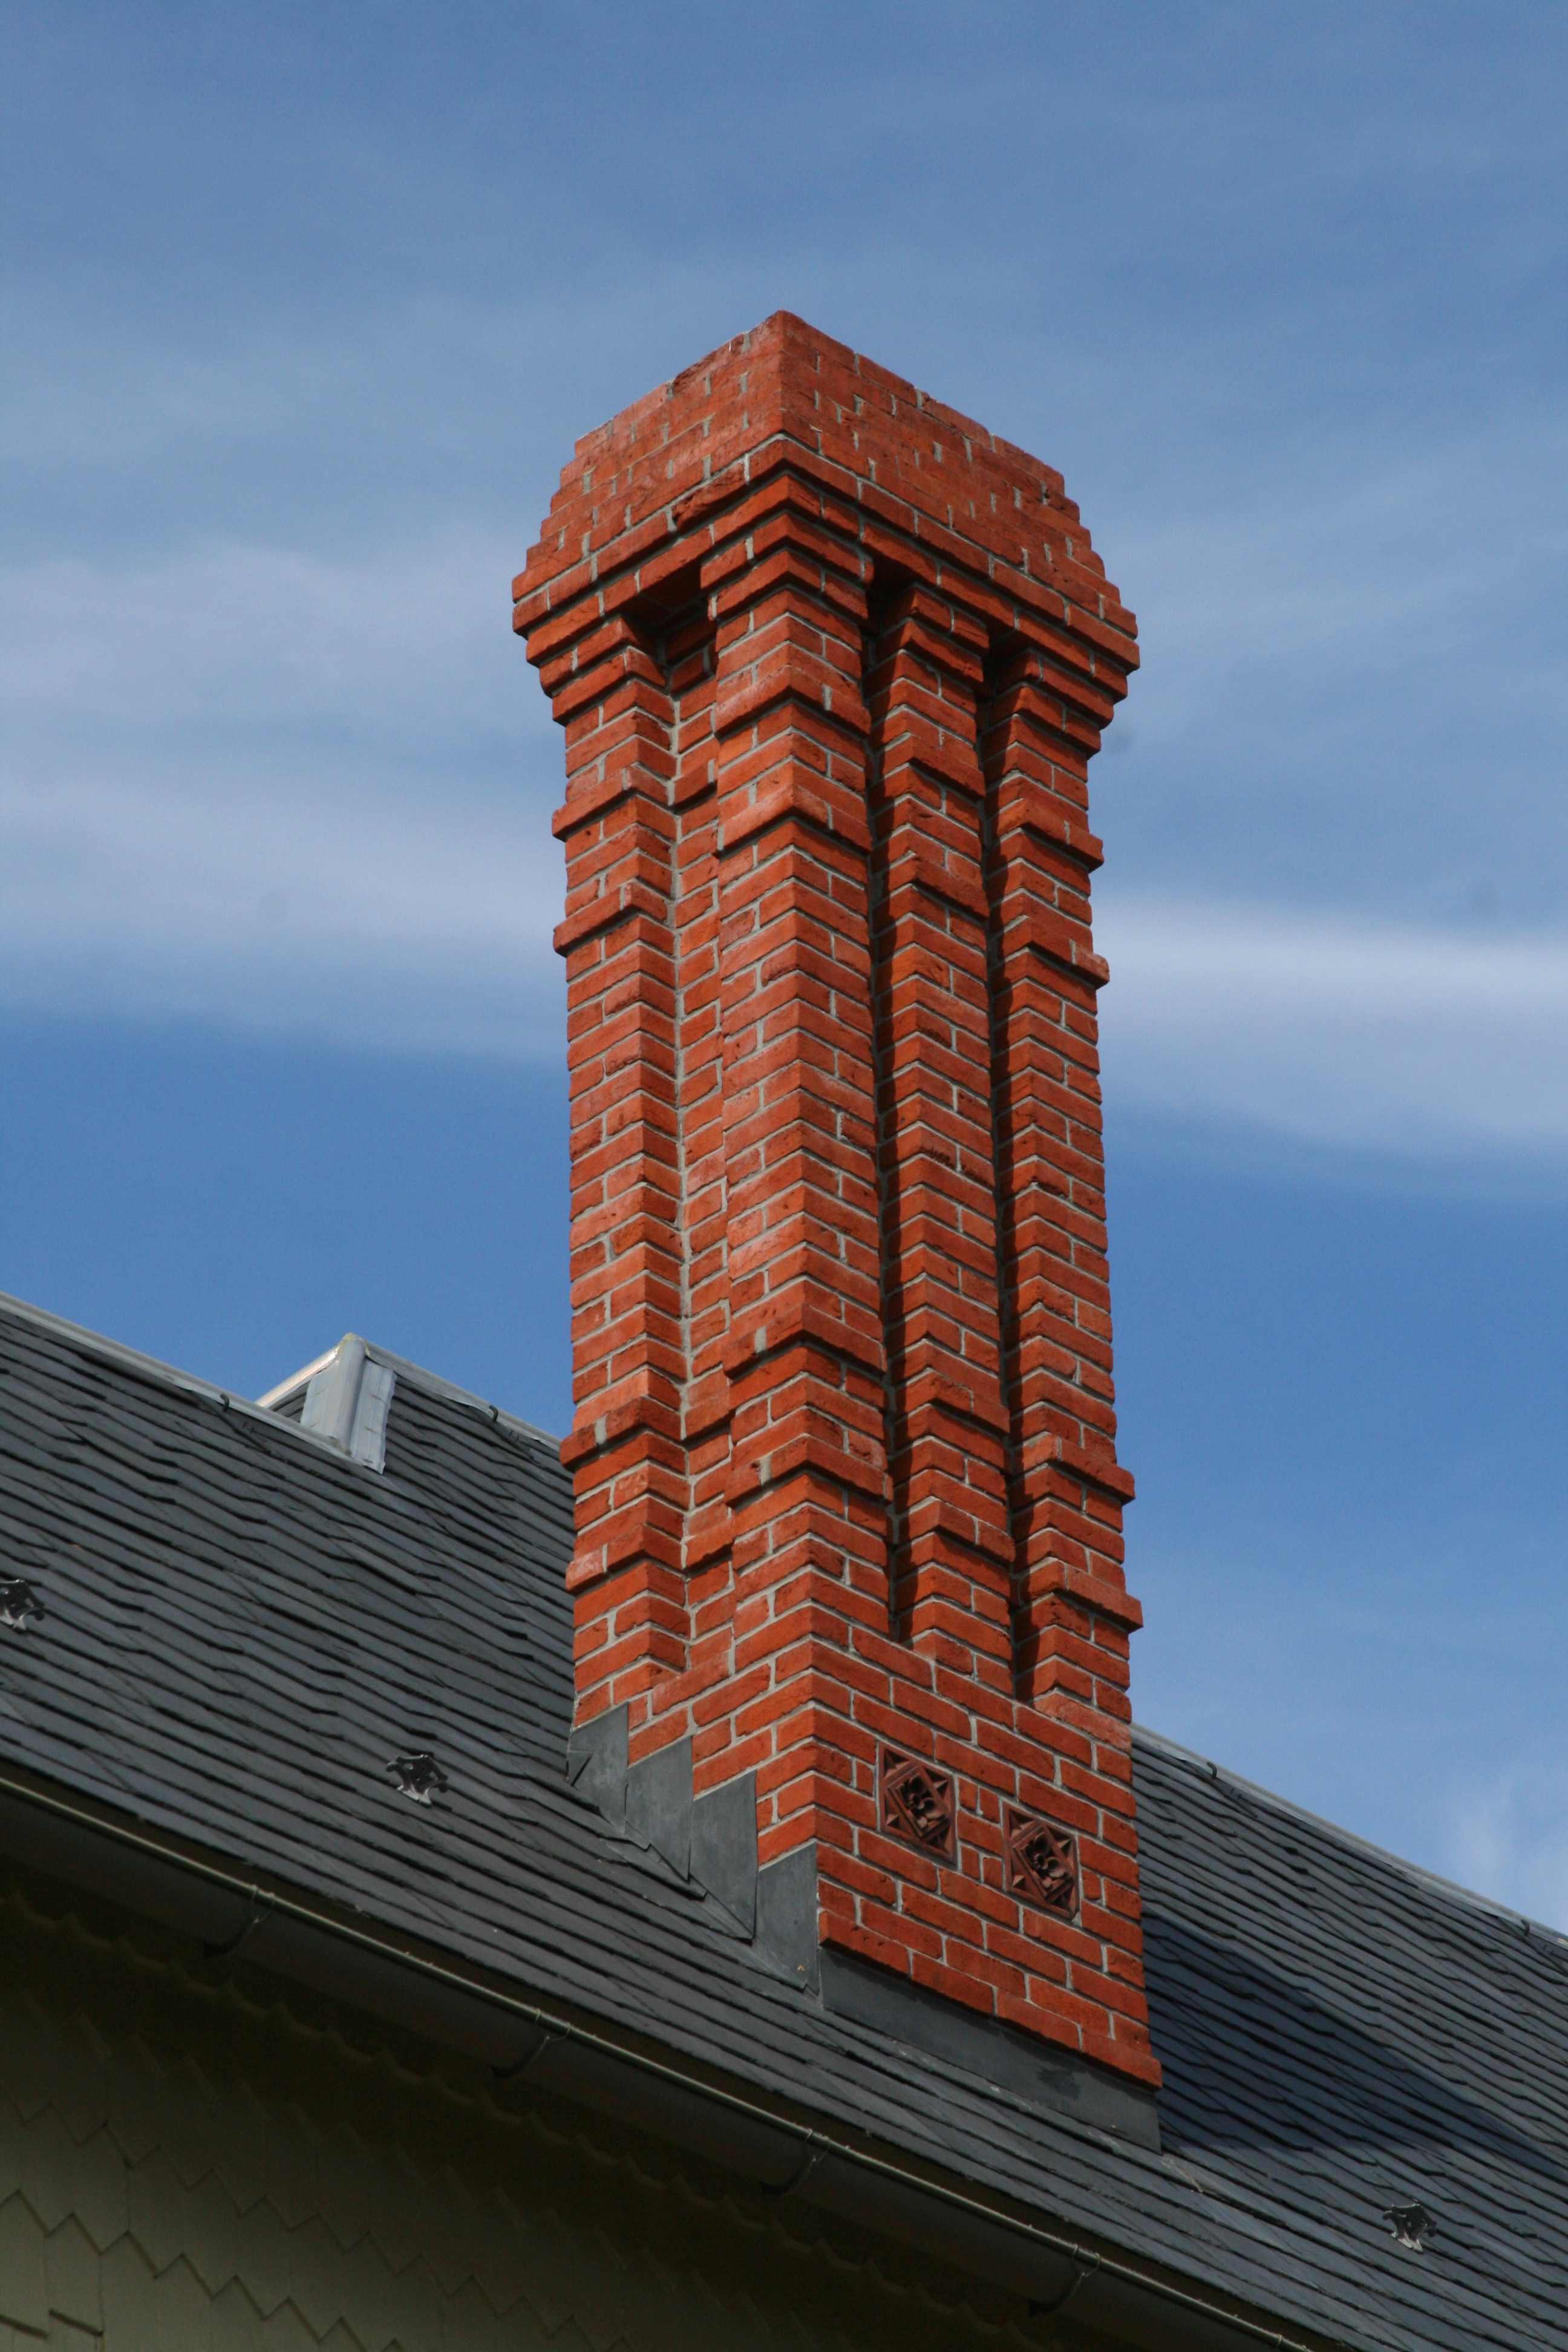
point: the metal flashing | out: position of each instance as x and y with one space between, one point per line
724 1847
713 1840
412 1375
295 1380
175 1383
133 1360
659 1804
1021 2063
596 1763
347 1401
787 1929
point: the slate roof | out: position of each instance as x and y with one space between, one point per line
242 1628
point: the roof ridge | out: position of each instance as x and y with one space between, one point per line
133 1360
152 1368
1542 1933
416 1376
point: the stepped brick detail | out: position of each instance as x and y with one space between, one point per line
831 661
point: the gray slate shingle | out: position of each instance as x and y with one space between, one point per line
243 1629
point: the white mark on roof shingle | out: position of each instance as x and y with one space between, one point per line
418 1775
19 1604
1411 2224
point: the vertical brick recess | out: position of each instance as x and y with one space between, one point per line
831 662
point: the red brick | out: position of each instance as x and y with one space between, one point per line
839 1259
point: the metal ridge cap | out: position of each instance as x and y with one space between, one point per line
821 2157
303 1378
416 1376
1542 1936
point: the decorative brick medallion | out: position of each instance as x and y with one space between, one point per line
918 1803
1042 1863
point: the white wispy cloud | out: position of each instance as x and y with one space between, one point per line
240 636
1353 680
266 785
258 785
1508 1837
1335 1029
256 780
354 915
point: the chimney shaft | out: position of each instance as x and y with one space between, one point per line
831 661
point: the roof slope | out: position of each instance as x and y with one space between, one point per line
243 1627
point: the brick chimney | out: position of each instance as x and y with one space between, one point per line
831 661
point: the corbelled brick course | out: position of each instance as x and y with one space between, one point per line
831 661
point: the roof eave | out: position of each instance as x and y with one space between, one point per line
781 2147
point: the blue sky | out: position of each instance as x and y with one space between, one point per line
302 310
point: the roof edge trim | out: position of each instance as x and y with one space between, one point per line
152 1369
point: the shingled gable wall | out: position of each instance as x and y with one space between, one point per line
831 661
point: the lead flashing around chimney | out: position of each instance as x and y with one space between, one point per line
659 1804
596 1763
711 1841
787 1917
347 1400
724 1847
1019 2062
